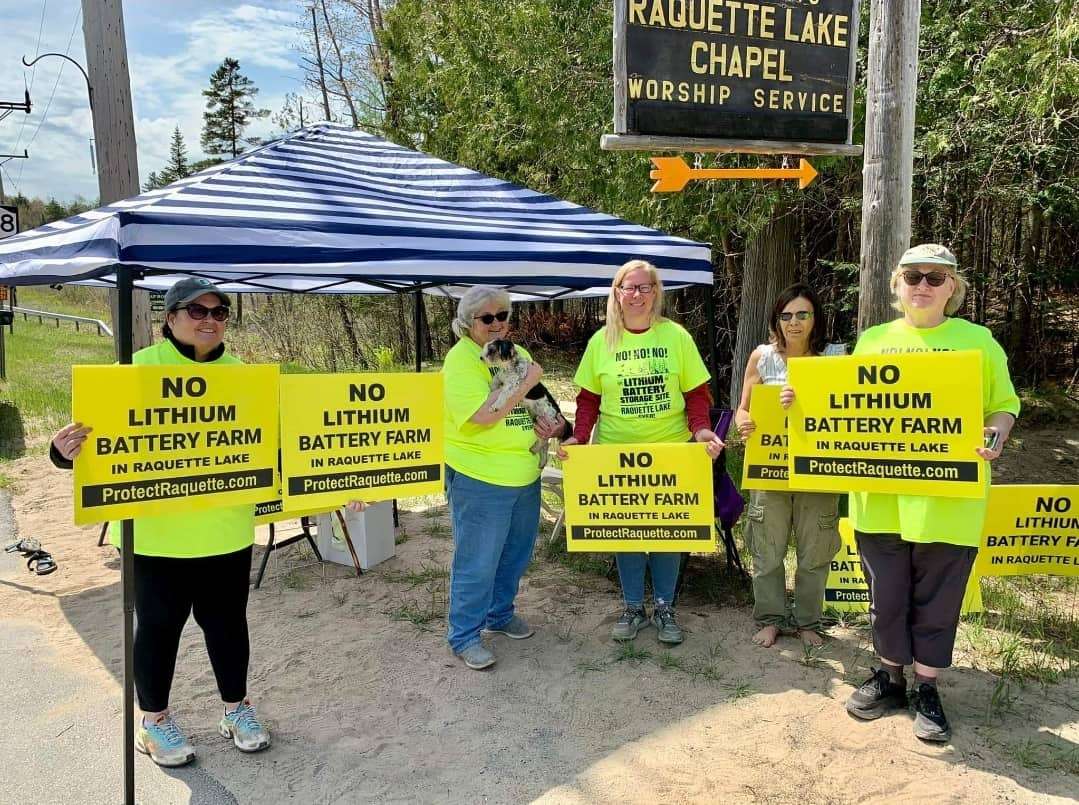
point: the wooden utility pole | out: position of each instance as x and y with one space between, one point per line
889 151
114 128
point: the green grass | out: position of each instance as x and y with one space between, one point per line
35 400
414 578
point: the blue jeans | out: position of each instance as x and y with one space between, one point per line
664 567
494 531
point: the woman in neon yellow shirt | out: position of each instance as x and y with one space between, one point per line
643 377
917 551
492 480
188 563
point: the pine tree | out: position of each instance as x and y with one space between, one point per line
229 110
176 168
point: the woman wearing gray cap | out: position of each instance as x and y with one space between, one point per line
197 562
917 551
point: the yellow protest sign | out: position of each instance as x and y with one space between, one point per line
642 497
173 438
273 511
765 465
359 437
847 591
899 424
1030 529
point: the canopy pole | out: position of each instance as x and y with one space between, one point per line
417 300
713 366
124 288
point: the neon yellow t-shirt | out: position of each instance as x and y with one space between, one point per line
495 454
642 383
195 534
921 518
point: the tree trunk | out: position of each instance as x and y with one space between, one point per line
321 67
769 268
889 151
340 69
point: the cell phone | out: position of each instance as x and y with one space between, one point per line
992 440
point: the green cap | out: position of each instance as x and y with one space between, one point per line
931 253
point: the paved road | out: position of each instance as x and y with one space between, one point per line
60 727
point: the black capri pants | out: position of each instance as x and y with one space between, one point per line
167 591
916 593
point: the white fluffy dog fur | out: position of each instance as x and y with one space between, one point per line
511 368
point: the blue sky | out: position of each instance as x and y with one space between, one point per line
173 47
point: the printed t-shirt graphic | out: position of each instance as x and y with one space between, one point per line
496 454
641 384
919 518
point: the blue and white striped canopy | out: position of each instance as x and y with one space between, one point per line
333 209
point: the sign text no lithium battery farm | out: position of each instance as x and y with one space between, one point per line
360 437
173 438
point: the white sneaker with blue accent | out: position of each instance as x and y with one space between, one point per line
164 741
244 728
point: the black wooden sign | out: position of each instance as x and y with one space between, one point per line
736 70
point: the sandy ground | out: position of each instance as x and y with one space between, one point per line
366 707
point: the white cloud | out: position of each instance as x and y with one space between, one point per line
169 67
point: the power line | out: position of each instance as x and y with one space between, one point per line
56 83
33 75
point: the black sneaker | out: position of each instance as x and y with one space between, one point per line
876 696
930 723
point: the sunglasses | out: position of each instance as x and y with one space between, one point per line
934 278
489 318
801 315
644 288
199 312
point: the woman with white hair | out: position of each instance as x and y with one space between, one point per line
638 349
492 480
917 551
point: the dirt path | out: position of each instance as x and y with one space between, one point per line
366 707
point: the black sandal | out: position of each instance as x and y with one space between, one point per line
41 562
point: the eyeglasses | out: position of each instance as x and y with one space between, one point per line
489 318
801 315
643 288
199 312
934 278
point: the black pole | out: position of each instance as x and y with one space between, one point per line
713 366
127 553
417 300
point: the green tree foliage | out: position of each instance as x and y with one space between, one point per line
230 108
522 90
177 167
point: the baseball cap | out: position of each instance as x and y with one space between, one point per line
190 288
928 253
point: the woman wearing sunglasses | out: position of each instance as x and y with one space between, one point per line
796 330
638 349
917 551
492 480
198 562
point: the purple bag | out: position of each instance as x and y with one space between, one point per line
728 503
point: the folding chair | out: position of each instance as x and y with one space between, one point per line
551 481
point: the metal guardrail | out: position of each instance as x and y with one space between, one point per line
102 328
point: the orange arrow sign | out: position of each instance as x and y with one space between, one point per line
672 174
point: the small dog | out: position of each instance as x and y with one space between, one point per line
511 368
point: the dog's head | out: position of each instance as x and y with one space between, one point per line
499 352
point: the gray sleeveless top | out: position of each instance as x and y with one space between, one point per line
773 368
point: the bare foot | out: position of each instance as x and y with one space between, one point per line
767 636
811 638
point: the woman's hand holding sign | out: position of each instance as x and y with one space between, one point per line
69 439
713 444
786 397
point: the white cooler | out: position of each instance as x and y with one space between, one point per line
371 531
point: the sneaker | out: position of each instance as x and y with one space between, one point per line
930 723
516 628
243 726
631 622
164 742
876 696
477 657
667 627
